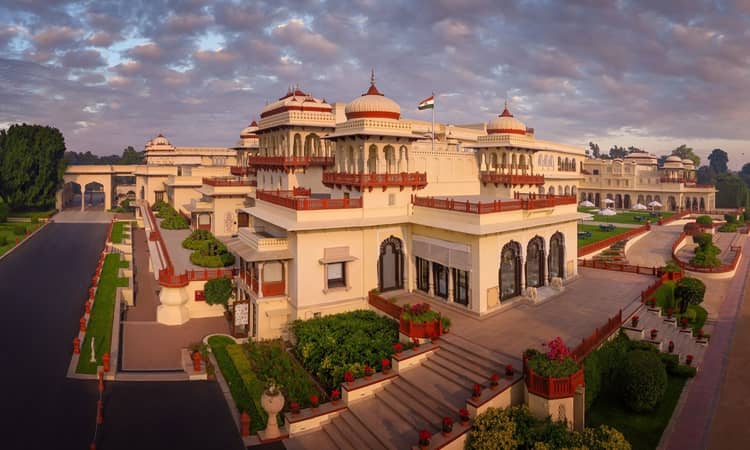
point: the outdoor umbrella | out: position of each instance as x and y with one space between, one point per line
608 212
608 201
640 207
586 204
655 204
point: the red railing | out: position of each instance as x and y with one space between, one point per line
219 181
371 180
241 171
168 278
551 387
672 218
727 267
290 161
499 178
322 161
270 288
597 337
384 305
493 206
304 204
595 246
618 267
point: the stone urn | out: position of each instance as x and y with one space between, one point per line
272 402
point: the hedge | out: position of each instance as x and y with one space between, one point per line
253 386
643 380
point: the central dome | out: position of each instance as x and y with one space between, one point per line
505 123
372 104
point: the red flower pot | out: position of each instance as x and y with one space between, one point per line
689 359
634 321
671 347
654 333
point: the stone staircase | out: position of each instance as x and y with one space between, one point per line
684 343
417 399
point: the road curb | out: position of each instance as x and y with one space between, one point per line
24 240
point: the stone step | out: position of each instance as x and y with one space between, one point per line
403 390
465 377
359 430
337 437
437 386
410 412
482 365
353 437
480 351
309 441
380 418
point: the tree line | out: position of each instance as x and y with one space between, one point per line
733 187
129 156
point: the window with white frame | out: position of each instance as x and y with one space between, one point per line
336 275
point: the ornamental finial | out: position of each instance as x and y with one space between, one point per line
372 76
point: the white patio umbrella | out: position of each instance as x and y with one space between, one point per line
640 207
586 204
655 204
608 201
608 212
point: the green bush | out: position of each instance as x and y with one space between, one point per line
3 240
643 380
331 345
493 428
689 291
19 229
704 220
221 260
546 367
159 205
671 266
682 371
729 227
730 218
419 313
4 211
746 215
592 374
703 239
197 240
217 291
604 437
174 222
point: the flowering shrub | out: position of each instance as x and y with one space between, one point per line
495 379
314 401
683 322
419 313
385 363
447 424
477 391
335 395
424 437
509 370
397 347
557 362
415 341
348 377
368 371
294 407
557 349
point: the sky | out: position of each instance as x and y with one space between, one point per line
652 74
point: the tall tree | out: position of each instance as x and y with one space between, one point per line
745 170
732 191
130 156
31 165
719 160
618 152
595 152
685 152
706 175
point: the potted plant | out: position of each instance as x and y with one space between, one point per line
349 378
699 333
424 439
634 321
314 402
494 380
654 332
397 347
671 347
368 372
415 341
652 303
463 414
669 313
335 396
689 359
386 364
447 425
683 322
476 391
294 408
509 371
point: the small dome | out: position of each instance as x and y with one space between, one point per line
295 100
505 123
372 104
688 162
160 140
673 158
249 131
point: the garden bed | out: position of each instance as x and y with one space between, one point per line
664 295
10 231
597 234
117 232
102 314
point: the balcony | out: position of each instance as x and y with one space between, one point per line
262 241
478 207
292 200
289 162
241 171
511 180
262 289
369 181
221 181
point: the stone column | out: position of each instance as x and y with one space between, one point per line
431 290
260 280
285 268
382 163
450 285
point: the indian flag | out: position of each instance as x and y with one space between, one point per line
428 103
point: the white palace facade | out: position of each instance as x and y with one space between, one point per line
322 203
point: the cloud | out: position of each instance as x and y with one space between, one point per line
187 24
294 34
102 39
146 52
56 37
82 59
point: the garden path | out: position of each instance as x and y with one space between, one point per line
655 247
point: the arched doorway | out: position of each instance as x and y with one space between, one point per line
687 203
626 201
391 265
93 195
597 200
556 259
672 203
510 270
618 201
535 262
703 204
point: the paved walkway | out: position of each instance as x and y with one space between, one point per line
78 216
655 247
145 297
180 256
691 424
585 304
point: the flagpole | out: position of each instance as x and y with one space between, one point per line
433 122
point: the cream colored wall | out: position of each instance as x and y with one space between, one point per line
183 195
274 314
223 209
199 309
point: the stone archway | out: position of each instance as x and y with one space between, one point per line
556 258
509 274
391 265
535 262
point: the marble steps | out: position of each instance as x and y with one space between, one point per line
481 365
314 440
438 386
357 432
407 392
477 352
380 417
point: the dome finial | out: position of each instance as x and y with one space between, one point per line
372 76
373 90
506 112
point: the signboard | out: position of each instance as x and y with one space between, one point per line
241 313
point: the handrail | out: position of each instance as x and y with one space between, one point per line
604 243
724 268
597 337
222 181
306 203
370 180
618 267
502 178
493 206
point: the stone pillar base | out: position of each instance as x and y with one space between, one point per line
172 314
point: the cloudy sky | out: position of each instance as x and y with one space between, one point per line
654 74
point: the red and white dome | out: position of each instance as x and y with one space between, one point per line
295 100
372 104
505 123
249 131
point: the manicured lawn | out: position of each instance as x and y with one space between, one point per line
117 229
102 313
625 216
643 431
597 234
664 297
8 235
124 264
33 214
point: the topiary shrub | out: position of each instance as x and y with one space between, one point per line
704 220
643 380
197 240
691 228
703 239
218 291
174 222
746 215
689 291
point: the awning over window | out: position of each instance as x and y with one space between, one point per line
449 254
336 254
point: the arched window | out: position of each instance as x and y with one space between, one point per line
372 159
391 265
509 274
535 262
556 259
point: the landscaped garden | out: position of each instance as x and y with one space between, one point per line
99 327
118 233
9 232
332 345
634 388
595 234
627 216
172 219
250 368
683 298
208 251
